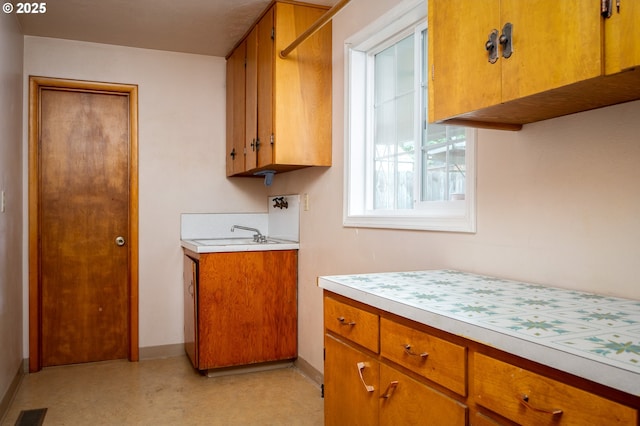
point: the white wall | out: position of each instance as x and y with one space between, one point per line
181 154
11 47
558 204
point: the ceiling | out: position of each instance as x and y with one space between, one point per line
207 27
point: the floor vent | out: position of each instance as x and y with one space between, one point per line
31 417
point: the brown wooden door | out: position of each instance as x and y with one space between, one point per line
83 202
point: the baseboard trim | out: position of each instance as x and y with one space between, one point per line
162 351
309 370
177 349
5 402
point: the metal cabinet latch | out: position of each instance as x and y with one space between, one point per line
506 40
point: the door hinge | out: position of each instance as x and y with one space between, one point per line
272 141
273 33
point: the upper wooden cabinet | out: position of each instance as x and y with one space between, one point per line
622 38
284 103
565 58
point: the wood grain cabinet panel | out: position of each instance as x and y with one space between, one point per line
347 372
287 116
355 324
564 59
245 308
528 398
436 359
622 38
405 401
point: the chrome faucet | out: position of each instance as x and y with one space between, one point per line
257 237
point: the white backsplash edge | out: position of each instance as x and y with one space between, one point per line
282 223
218 225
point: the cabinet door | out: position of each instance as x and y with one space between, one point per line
251 107
404 401
555 43
622 32
236 110
302 89
347 372
247 308
266 55
461 77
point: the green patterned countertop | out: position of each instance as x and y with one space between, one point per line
589 335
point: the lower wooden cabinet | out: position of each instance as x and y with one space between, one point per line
528 398
244 308
405 401
360 390
347 373
418 375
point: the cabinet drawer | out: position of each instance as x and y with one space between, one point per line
427 355
531 399
404 401
355 324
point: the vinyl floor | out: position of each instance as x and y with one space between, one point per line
166 392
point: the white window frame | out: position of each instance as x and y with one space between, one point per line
455 216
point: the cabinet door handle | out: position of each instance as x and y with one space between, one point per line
491 46
344 322
524 400
390 389
361 366
408 351
506 40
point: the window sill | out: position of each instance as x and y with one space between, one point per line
462 224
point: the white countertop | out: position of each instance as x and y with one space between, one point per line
591 336
224 245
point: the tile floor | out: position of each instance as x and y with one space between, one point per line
167 392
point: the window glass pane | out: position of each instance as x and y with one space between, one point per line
405 74
444 164
384 71
394 134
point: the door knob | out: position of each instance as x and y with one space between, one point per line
120 241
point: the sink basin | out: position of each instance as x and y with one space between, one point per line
231 241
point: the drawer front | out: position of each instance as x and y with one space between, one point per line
531 399
434 358
352 323
404 401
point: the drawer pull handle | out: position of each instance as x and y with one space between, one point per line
343 322
408 351
524 400
390 389
361 366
